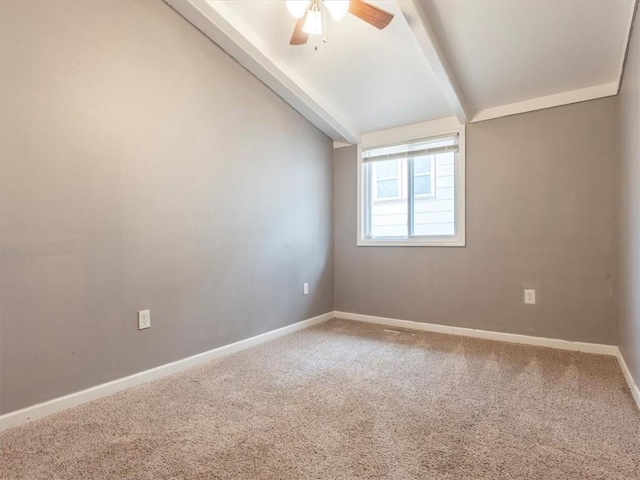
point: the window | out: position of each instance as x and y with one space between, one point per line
413 193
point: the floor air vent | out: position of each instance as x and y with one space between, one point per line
398 332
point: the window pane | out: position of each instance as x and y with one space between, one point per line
388 189
422 185
389 219
421 165
435 215
387 169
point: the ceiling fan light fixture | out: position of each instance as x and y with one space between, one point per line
337 8
297 7
313 23
313 20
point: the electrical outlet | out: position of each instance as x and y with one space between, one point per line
144 319
305 289
529 297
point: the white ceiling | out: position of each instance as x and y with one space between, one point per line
377 79
506 51
473 59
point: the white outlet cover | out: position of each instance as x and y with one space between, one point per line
529 297
305 289
144 319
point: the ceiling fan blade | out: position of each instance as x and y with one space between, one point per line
371 14
299 37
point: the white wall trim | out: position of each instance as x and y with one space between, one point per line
41 410
597 348
540 103
19 417
217 21
625 47
635 391
600 349
439 126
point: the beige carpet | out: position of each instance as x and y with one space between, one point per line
347 400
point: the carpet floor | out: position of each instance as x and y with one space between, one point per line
347 400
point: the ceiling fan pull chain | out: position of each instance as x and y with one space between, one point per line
324 24
323 12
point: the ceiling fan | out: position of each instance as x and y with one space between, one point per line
310 15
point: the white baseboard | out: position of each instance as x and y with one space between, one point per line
488 335
56 405
504 337
635 391
19 417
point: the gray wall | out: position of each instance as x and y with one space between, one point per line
144 168
629 328
541 191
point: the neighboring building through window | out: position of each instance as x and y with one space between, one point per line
387 180
413 193
423 176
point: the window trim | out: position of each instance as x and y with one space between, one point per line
458 240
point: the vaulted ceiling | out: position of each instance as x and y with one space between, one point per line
469 59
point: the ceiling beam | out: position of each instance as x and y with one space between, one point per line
221 25
416 17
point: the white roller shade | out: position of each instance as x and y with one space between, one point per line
433 146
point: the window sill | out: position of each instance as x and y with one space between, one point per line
454 242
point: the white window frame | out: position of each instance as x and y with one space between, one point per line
457 240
